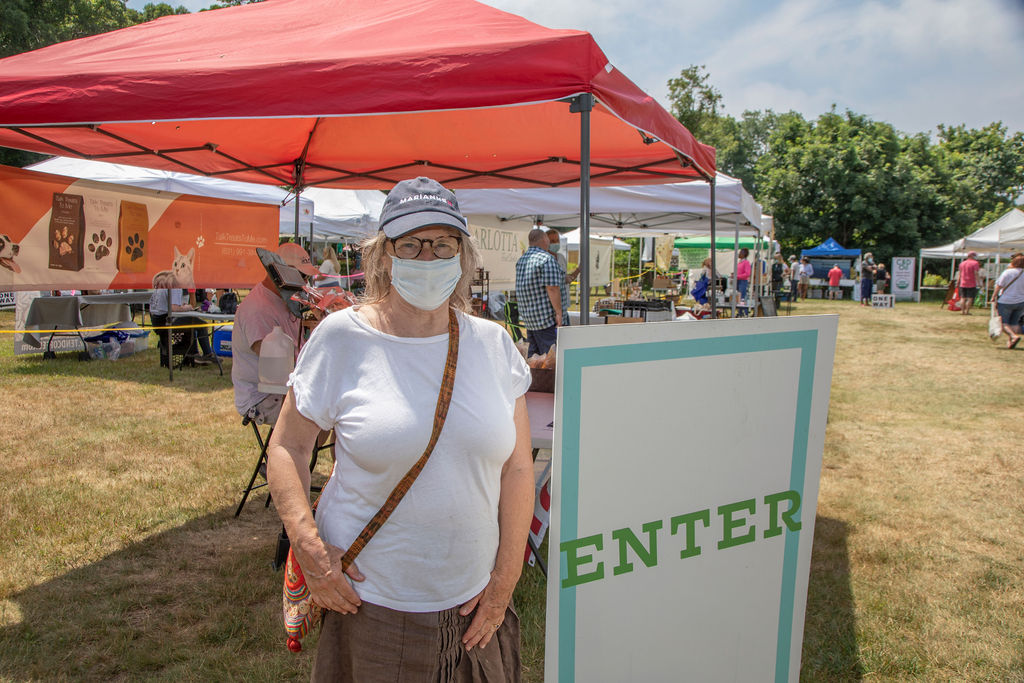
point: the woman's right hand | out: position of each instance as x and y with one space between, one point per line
321 566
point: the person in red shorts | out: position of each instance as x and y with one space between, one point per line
834 276
968 278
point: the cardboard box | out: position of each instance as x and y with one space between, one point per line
543 379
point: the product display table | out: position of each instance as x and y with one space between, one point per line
68 315
192 349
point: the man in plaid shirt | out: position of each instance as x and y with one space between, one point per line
538 281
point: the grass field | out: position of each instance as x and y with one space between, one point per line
121 558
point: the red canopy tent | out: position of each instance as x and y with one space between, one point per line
349 93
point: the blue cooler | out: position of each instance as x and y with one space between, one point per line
222 341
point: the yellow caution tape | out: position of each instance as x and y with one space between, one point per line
119 329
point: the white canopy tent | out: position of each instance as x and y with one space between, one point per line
631 211
572 240
1003 235
951 252
346 213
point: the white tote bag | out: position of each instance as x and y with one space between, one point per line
995 323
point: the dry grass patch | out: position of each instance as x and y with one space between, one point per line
931 508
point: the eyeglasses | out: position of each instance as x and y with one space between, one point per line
409 247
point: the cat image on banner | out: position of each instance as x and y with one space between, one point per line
181 273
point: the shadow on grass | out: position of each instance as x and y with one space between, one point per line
143 367
198 602
830 651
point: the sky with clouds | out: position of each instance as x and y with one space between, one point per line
913 63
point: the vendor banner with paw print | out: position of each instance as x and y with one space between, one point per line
66 233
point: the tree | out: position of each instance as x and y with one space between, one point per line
221 4
694 100
738 143
160 9
854 179
986 172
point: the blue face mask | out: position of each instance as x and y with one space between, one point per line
425 284
554 247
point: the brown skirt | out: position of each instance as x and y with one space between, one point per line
381 645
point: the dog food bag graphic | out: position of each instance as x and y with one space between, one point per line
101 235
133 233
67 231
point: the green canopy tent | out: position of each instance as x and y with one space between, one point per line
721 242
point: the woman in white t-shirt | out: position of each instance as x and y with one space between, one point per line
434 586
1008 295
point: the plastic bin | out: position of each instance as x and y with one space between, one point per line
105 350
650 311
136 341
222 342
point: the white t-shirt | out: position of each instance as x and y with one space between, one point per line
378 393
1014 294
255 318
158 300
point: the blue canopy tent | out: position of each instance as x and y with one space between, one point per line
830 252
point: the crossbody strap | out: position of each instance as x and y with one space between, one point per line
444 398
1003 290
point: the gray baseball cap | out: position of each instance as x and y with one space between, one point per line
418 203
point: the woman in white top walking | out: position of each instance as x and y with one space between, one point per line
1008 296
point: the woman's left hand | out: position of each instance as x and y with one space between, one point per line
490 605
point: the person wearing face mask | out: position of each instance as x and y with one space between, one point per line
556 245
429 595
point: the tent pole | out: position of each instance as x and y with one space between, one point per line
714 269
735 266
756 272
297 191
582 105
920 268
167 338
629 266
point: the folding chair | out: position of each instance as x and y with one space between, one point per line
261 463
511 310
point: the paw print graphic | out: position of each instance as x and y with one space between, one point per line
100 244
200 241
135 246
62 240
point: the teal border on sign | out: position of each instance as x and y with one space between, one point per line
573 362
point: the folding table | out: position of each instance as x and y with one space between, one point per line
193 347
68 315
